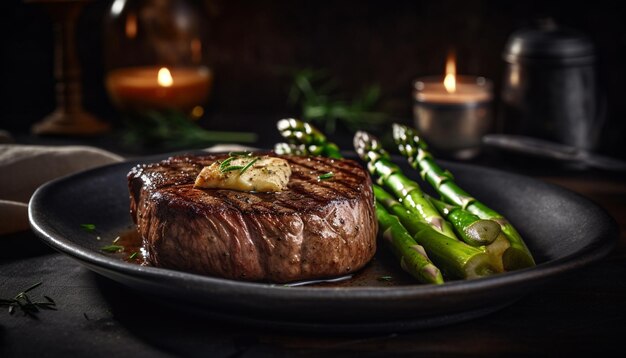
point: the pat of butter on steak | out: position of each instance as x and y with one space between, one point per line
311 229
261 174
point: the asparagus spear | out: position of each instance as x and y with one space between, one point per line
413 258
378 162
469 227
413 147
302 133
454 257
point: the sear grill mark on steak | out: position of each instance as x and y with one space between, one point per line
314 229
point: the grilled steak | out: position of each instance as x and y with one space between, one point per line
314 229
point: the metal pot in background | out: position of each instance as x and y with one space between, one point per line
550 88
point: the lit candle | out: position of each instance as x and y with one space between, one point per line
453 112
142 88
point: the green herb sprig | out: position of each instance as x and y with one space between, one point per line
226 167
88 227
325 176
248 165
112 248
23 302
225 163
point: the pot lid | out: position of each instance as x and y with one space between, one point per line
545 41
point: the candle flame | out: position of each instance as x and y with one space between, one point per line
449 82
165 77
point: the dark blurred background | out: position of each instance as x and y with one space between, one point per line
252 46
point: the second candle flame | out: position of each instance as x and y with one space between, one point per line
449 82
165 77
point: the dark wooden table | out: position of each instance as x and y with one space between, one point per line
583 312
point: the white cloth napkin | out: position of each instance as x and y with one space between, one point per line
23 168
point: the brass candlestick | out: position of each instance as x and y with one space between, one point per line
69 117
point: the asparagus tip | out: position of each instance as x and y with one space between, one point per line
286 123
361 139
433 274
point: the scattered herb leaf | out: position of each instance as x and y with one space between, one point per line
385 278
133 255
88 227
325 176
112 248
28 306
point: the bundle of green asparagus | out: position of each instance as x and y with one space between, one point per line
478 253
414 149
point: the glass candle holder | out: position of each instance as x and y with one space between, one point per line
153 57
453 121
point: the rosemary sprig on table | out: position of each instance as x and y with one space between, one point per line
173 130
317 94
23 302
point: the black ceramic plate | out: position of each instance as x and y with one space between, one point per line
563 230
